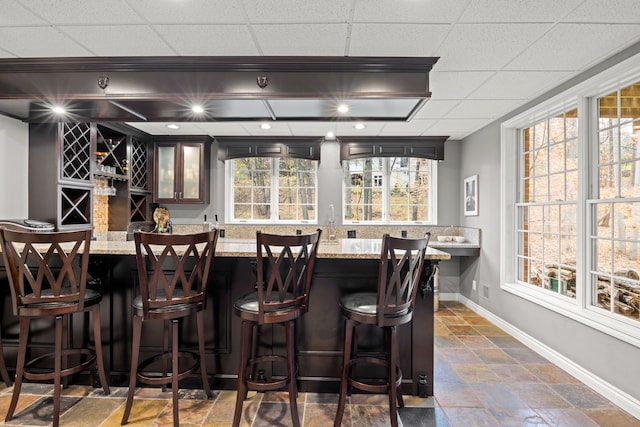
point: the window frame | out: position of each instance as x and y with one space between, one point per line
386 176
274 195
584 96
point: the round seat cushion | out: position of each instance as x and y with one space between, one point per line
363 303
249 302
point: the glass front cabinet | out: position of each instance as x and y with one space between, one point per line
181 171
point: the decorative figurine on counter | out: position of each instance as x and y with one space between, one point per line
161 217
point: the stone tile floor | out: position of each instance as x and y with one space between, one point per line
483 377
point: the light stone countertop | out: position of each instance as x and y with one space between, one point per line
341 248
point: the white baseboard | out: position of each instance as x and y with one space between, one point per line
597 384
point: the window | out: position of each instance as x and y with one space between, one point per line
615 267
389 190
570 173
272 190
547 203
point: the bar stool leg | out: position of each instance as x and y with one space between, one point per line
165 349
22 355
3 367
392 367
203 362
57 384
291 368
97 337
135 354
247 328
174 370
344 381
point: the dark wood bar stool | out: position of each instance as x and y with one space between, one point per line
48 277
392 305
284 271
173 274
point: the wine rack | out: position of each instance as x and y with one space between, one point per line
76 151
111 153
139 211
75 206
138 167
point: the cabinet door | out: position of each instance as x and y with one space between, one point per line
191 188
181 172
165 173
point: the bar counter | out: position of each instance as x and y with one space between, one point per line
343 266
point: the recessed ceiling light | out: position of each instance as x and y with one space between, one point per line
330 135
58 109
265 126
343 108
197 109
359 126
173 126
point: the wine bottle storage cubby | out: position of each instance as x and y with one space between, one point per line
76 151
139 208
75 206
111 152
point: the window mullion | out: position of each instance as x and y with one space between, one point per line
275 188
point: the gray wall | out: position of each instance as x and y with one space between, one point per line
14 168
610 359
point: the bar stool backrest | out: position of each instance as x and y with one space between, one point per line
173 269
47 271
401 264
285 265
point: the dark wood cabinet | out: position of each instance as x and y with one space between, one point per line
72 164
181 170
60 174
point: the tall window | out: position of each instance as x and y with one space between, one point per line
389 190
272 190
615 272
571 207
547 206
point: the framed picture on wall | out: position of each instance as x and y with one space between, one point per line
470 200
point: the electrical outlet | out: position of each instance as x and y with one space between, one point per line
221 232
351 234
403 233
298 232
474 285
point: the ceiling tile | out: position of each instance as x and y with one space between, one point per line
482 109
435 109
192 12
455 85
223 129
120 40
370 129
301 39
277 128
518 84
312 128
485 47
68 12
15 15
558 49
155 128
413 127
518 10
38 42
451 126
396 39
430 11
209 40
614 11
297 11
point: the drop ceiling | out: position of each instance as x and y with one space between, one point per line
495 55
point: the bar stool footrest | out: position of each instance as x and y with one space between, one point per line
271 384
160 379
32 372
370 386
